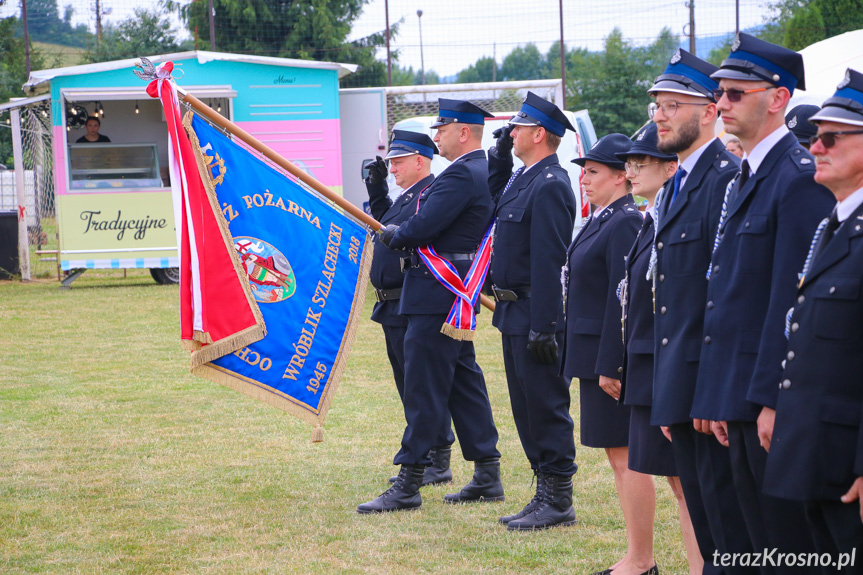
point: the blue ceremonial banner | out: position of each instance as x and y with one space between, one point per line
307 265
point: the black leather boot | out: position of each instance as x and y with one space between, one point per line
540 486
439 471
485 485
404 494
555 508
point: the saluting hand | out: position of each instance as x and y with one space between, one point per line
504 140
610 386
377 171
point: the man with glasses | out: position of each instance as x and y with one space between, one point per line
816 450
767 221
688 209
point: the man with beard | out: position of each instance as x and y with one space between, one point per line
688 212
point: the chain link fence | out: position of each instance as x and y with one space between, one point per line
496 98
39 203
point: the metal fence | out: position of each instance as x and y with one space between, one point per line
39 200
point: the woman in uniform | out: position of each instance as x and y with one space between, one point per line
649 450
594 345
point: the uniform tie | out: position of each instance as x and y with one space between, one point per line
829 231
512 178
678 178
741 181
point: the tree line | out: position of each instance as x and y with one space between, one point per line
611 82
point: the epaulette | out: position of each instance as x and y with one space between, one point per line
802 159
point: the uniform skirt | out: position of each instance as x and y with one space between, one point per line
649 451
604 422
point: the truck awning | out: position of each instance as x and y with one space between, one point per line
21 102
139 93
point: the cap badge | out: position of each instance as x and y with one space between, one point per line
641 135
792 123
676 57
736 44
845 81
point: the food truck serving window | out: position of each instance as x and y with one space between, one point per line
109 166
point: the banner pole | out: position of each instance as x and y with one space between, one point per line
282 162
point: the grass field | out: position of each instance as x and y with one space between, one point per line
117 460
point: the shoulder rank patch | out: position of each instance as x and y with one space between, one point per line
723 163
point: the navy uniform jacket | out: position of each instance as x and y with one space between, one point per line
684 243
765 240
453 215
817 450
637 380
386 272
594 344
534 227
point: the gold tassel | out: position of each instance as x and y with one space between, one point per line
456 333
317 434
228 345
190 345
202 336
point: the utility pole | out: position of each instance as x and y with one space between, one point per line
26 37
389 57
562 55
737 16
212 27
691 5
98 23
422 58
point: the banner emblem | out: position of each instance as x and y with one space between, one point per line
270 274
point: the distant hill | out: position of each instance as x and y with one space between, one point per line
57 56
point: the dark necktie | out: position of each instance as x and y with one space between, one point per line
829 231
678 178
741 181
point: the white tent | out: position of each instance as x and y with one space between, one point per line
825 63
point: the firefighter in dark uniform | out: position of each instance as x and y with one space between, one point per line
816 449
770 214
441 372
797 120
649 450
685 115
535 217
594 347
410 157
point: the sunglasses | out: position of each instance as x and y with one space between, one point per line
734 95
828 139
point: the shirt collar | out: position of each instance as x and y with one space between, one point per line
760 151
689 163
846 207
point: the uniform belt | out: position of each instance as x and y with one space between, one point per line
457 257
388 294
413 260
510 294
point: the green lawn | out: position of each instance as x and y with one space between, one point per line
117 460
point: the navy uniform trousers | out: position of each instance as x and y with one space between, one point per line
817 449
771 218
440 372
386 274
535 217
684 241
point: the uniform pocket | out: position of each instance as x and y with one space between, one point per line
685 253
837 313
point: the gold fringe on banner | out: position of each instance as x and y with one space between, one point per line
456 333
250 387
251 334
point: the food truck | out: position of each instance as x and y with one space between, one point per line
113 198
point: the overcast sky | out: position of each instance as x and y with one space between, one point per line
458 32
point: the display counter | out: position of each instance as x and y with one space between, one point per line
113 166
